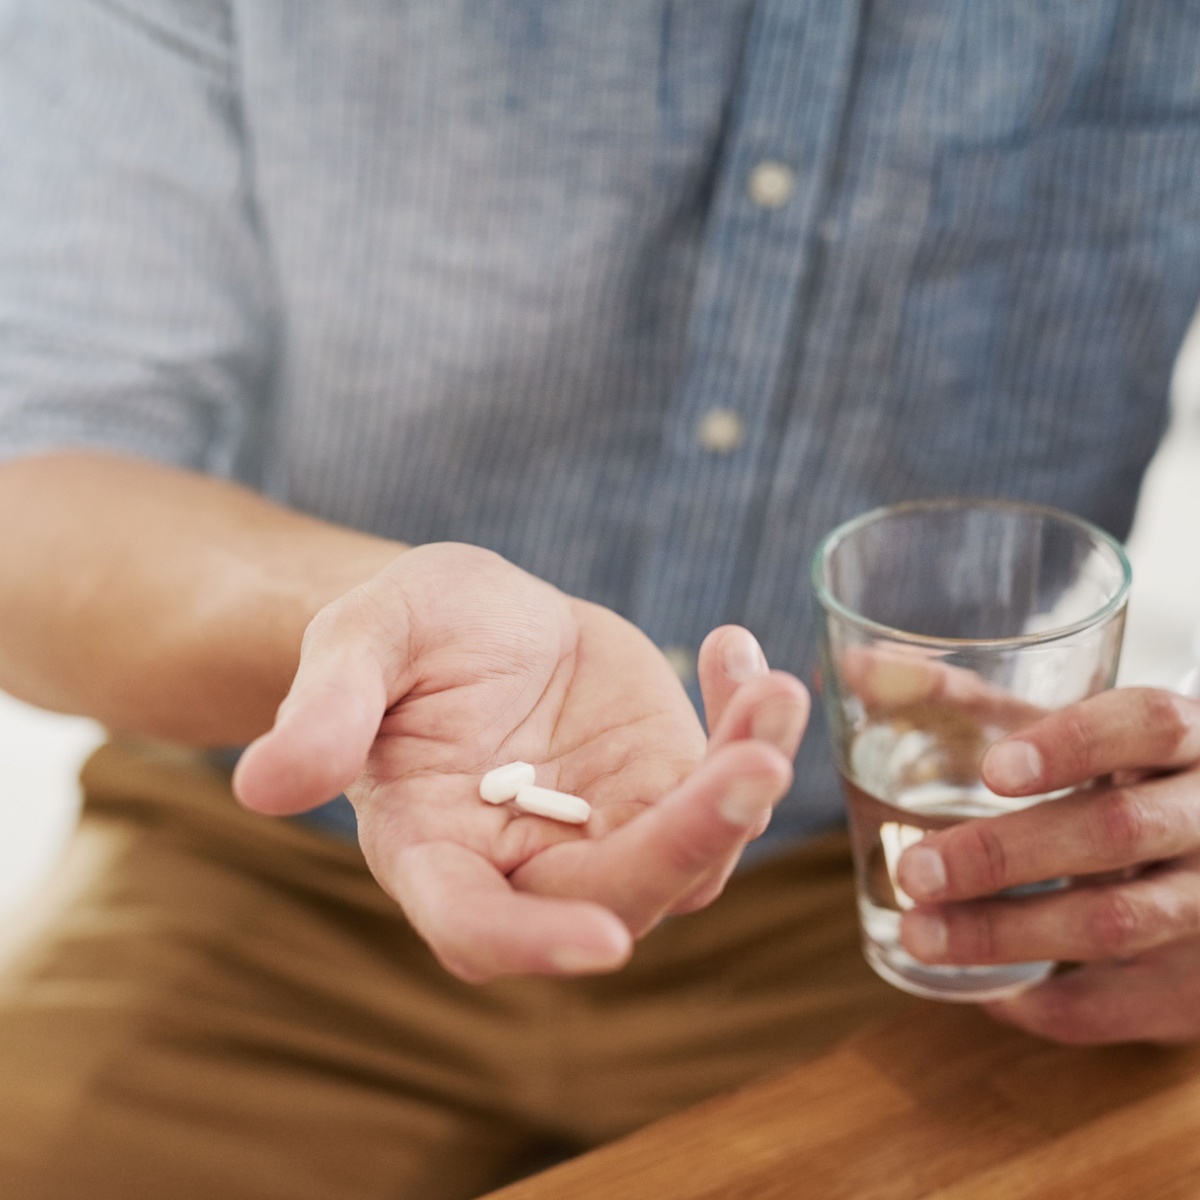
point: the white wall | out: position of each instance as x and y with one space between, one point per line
40 754
1163 635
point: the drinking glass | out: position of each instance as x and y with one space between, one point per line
945 625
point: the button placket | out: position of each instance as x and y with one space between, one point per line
752 269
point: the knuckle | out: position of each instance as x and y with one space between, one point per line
1128 825
985 847
356 615
1076 743
1163 720
1116 923
1169 912
1170 915
973 937
686 860
1064 1009
1070 1024
1185 909
1058 1018
322 626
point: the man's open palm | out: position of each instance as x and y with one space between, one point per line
451 662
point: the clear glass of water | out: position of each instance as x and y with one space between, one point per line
946 625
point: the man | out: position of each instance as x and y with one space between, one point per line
606 312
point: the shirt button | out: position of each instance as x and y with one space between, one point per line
683 662
771 184
721 430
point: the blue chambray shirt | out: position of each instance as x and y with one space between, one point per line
644 295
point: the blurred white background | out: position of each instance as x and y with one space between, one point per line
41 753
1163 635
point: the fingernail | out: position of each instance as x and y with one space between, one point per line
925 935
1014 765
584 960
743 804
922 873
742 656
779 724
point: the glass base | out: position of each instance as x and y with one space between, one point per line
962 985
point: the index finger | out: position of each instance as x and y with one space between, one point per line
1120 729
1086 833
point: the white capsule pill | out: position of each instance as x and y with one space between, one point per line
502 783
546 802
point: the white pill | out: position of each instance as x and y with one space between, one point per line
546 802
502 783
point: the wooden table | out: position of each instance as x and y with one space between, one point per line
941 1104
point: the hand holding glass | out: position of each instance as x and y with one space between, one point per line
946 625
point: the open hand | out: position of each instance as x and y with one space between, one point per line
452 661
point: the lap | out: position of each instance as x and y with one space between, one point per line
223 1004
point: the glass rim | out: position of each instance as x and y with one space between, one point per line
831 604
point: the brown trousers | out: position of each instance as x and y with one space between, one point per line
206 1003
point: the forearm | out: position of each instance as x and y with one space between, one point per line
157 601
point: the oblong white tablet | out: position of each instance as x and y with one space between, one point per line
546 802
503 783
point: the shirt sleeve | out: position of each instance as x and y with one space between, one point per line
136 311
